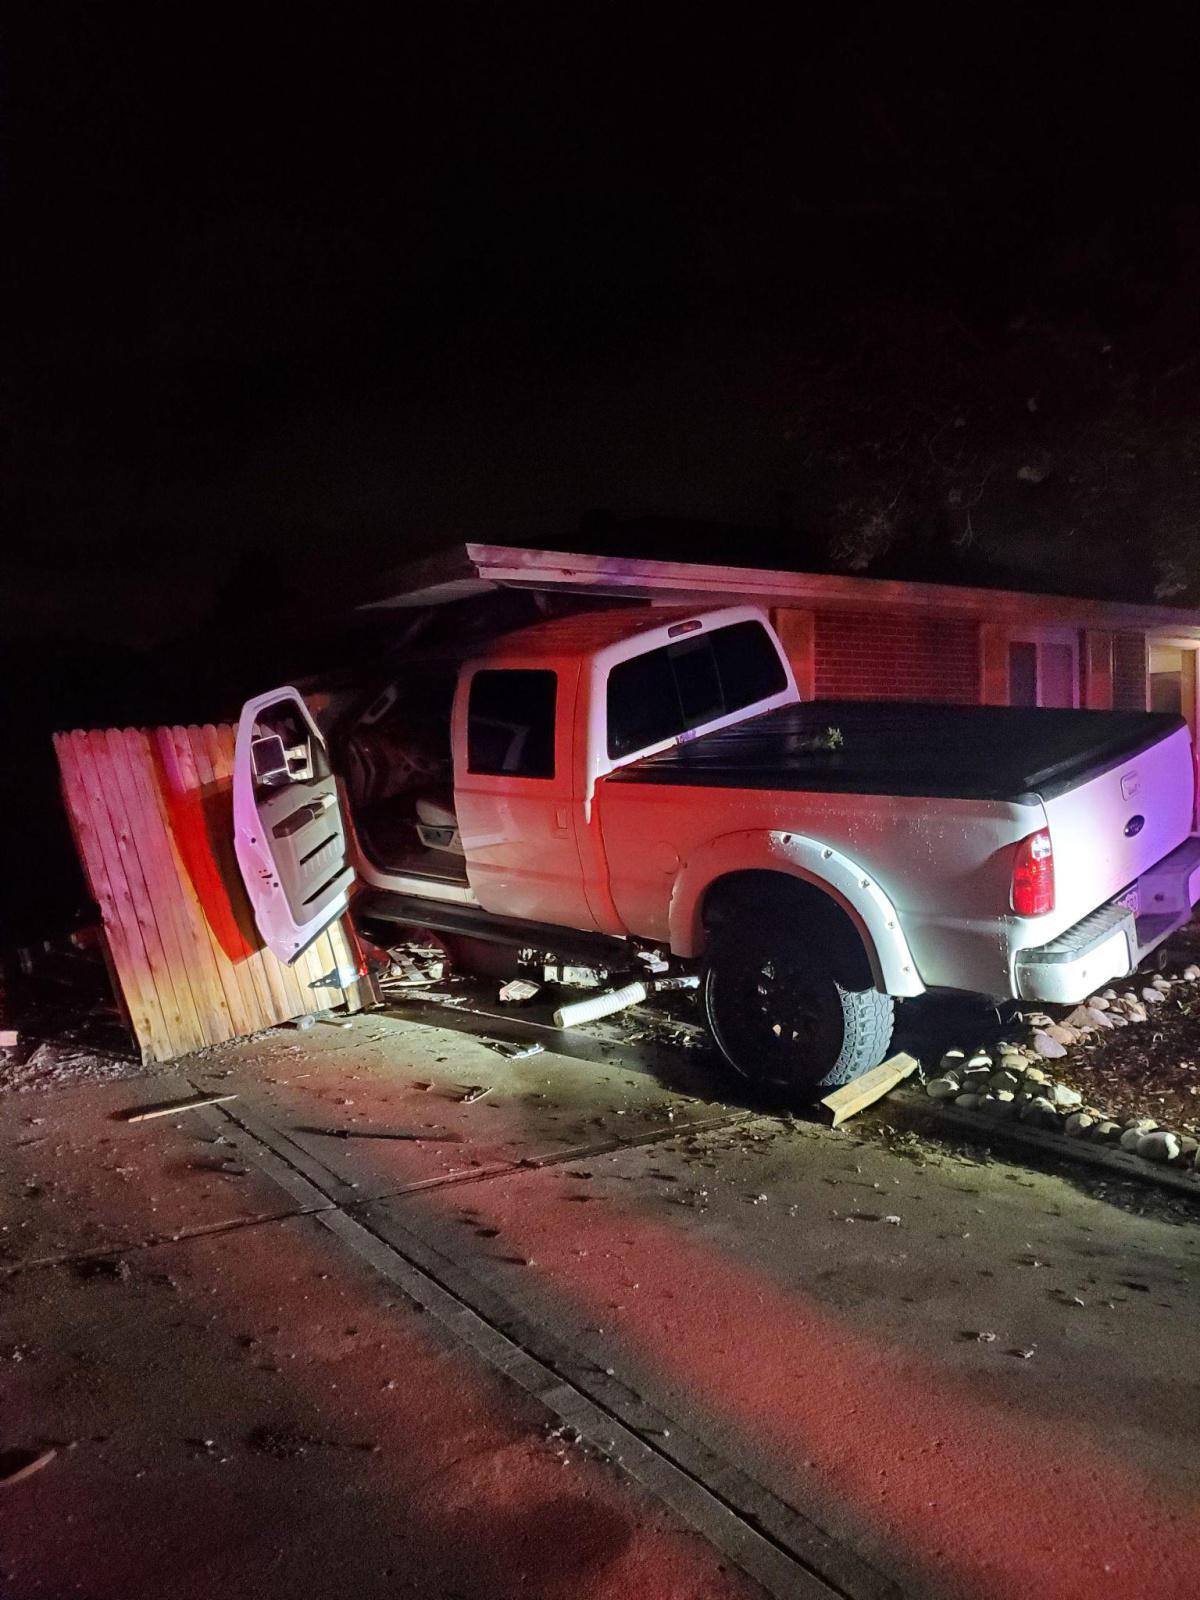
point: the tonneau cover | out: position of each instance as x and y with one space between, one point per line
908 748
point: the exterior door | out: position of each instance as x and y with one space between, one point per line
287 823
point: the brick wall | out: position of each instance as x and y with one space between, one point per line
1130 667
890 655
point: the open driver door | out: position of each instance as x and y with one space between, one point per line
287 823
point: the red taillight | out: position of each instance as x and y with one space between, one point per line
1033 876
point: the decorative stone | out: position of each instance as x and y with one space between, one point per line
952 1061
1187 1151
1037 1075
1080 1020
980 1059
1040 1112
1159 1146
1099 1019
1010 1061
1190 974
1063 1095
943 1088
1047 1047
1061 1035
1098 1002
968 1101
1078 1125
1039 1019
1106 1131
1135 1011
1153 996
1159 981
997 1105
1108 994
1003 1079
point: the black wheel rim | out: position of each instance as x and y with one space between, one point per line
775 1019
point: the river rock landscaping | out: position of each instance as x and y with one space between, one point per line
1122 1069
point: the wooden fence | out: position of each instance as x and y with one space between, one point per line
152 813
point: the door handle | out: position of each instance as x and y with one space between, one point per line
562 818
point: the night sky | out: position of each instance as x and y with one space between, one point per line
296 300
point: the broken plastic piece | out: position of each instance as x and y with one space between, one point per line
518 991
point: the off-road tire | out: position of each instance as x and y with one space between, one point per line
780 1017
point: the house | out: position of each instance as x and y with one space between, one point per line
858 637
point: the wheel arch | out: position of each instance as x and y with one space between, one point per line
804 876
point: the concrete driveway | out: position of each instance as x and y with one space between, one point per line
573 1326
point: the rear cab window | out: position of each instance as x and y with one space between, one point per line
686 685
510 723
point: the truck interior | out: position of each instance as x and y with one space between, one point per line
395 759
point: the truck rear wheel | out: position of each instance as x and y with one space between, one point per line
780 1017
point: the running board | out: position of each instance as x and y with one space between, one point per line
443 916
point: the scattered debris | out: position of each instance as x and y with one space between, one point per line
413 965
513 1050
601 1005
476 1091
170 1108
17 1465
518 991
862 1092
614 1000
415 1137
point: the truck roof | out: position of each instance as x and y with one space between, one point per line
590 631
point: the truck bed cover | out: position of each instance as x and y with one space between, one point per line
1010 753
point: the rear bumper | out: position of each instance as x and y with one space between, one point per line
1113 940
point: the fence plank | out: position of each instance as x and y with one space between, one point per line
208 990
193 839
129 948
175 902
79 814
279 998
109 763
138 827
256 995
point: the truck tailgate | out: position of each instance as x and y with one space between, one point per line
1110 828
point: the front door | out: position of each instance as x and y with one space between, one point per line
287 821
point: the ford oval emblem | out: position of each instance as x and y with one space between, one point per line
1134 826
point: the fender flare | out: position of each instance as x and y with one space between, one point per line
796 855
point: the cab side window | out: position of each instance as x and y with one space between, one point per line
510 723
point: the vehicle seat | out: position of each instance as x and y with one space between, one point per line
437 825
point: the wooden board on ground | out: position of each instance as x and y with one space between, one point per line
152 815
859 1093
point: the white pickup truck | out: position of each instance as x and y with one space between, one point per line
651 777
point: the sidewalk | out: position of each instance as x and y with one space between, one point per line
251 1411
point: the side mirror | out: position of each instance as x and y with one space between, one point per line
268 756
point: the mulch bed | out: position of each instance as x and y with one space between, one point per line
1148 1069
